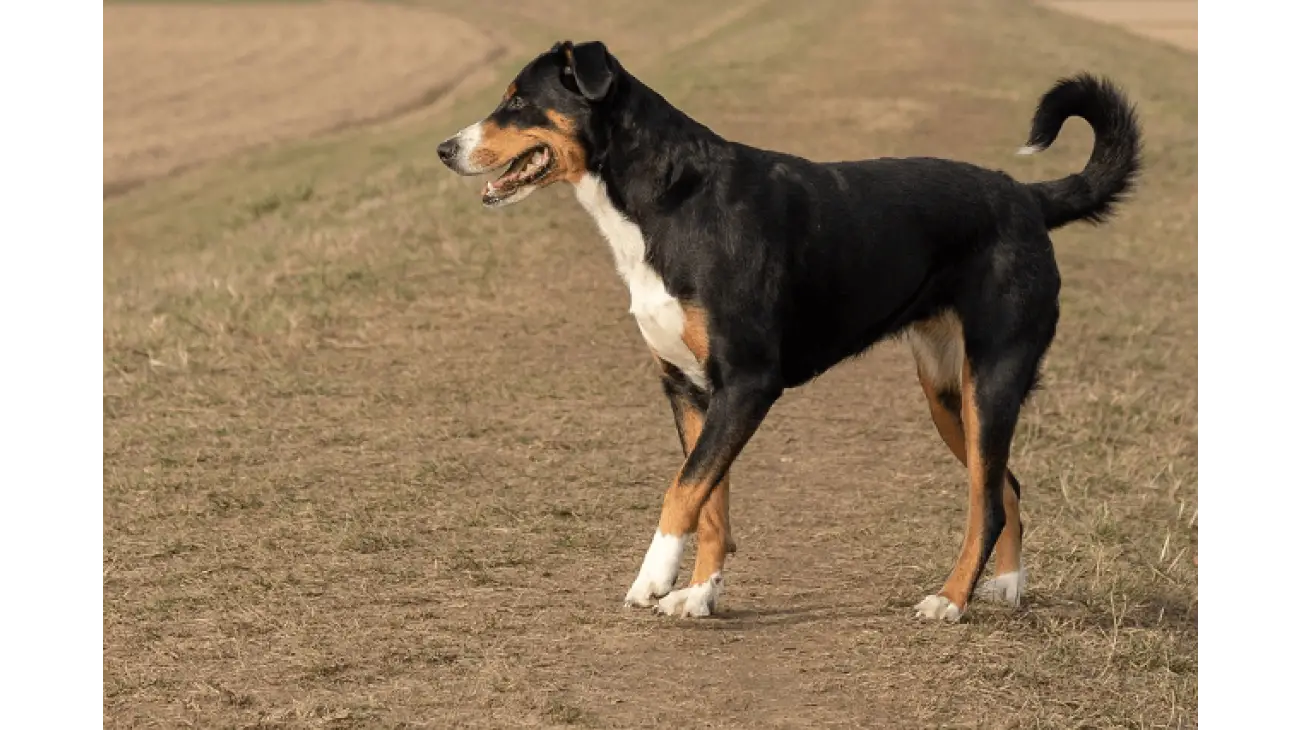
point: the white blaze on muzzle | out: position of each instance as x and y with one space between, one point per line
467 143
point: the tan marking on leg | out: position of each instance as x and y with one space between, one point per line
681 509
691 424
1008 547
1007 558
713 525
948 423
962 578
713 540
695 332
713 535
683 504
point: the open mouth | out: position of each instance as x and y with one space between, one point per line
525 170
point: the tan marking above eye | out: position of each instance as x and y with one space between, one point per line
511 90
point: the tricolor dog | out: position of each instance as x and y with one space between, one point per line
752 271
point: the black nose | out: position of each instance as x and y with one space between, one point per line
448 150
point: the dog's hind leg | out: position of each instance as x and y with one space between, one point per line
999 368
940 356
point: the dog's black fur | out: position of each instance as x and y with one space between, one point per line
800 265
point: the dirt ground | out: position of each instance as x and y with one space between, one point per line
185 84
376 457
1170 21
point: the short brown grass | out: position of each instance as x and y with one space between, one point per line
375 457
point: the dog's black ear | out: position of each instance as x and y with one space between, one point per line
593 68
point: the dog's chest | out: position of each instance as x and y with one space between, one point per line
658 314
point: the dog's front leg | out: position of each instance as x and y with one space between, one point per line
735 410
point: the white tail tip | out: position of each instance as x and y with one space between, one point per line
1029 149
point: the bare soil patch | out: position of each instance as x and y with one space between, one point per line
1170 21
189 83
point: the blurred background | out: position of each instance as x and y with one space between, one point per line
377 457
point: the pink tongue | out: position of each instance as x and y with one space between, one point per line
501 182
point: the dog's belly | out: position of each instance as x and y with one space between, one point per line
662 321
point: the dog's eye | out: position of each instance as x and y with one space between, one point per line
515 103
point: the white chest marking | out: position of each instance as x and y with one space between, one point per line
658 313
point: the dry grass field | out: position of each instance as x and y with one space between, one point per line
1169 21
376 457
186 84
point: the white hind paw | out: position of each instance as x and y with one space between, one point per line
1007 588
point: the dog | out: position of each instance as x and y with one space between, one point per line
753 271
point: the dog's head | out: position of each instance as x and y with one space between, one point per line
543 130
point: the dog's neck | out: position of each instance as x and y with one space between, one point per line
647 157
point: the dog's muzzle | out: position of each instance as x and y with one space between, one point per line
448 151
455 151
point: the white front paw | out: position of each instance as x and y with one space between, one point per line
693 601
658 571
938 608
645 591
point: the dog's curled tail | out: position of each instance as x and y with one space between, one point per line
1116 158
